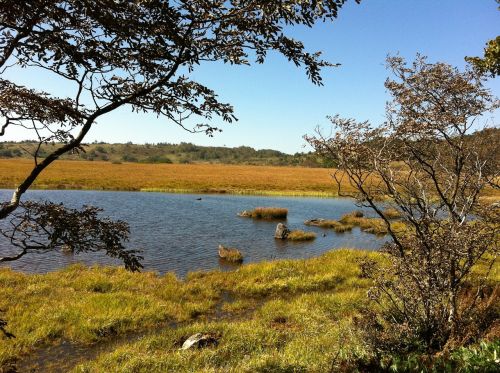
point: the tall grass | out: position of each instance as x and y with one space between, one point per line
183 178
299 235
269 213
371 225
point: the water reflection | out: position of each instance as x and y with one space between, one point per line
180 233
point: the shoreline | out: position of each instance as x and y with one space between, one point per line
261 193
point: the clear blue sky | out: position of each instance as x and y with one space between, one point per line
276 104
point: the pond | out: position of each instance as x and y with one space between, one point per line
181 232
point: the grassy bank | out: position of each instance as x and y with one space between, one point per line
284 303
279 316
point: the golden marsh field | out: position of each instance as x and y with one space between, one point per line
188 178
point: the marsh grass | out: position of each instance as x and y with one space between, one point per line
272 213
84 305
371 225
341 228
299 235
391 213
328 224
284 316
173 178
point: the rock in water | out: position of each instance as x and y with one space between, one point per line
282 231
199 340
229 254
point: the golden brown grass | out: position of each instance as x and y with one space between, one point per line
370 225
391 213
180 178
341 228
269 213
328 224
195 178
299 235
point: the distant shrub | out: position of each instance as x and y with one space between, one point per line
6 153
299 235
101 149
157 159
129 158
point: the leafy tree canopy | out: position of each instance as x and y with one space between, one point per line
139 54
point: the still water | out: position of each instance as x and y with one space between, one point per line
179 233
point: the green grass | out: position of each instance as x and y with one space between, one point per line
277 316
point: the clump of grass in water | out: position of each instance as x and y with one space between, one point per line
328 224
341 228
370 225
267 213
299 235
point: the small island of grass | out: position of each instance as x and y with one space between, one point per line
299 235
270 213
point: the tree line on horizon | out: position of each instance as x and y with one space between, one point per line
184 153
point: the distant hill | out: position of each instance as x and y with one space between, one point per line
168 153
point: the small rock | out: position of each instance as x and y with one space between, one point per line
314 222
199 340
282 231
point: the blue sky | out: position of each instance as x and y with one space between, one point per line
276 104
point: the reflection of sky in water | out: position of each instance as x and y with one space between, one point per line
180 233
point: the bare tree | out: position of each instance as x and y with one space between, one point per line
140 54
426 162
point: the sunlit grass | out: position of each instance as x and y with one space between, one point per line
286 315
174 178
299 235
269 213
371 225
391 213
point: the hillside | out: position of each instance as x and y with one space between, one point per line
168 153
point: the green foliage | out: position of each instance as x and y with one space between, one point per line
490 63
171 153
484 358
